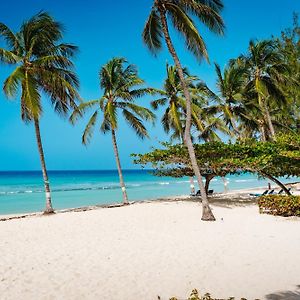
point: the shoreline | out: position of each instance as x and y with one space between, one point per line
234 197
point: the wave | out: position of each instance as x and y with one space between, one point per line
85 187
244 180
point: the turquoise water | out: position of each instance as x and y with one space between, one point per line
23 191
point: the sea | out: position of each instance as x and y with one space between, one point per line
23 192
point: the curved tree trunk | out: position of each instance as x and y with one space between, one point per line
277 182
122 184
49 208
208 179
207 214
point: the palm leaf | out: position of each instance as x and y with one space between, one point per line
89 129
135 123
152 33
13 82
185 25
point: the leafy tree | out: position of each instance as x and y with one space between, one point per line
173 118
288 45
180 13
42 66
121 87
266 71
267 159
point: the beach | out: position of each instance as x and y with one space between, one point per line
148 249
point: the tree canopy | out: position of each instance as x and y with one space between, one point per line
267 159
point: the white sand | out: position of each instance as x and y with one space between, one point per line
144 250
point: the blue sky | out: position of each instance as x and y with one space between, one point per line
102 30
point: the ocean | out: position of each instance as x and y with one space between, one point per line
23 191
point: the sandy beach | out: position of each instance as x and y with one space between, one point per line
150 249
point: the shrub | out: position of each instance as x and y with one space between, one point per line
280 205
196 296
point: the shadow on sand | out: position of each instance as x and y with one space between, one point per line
285 295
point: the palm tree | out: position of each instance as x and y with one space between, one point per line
180 13
228 101
122 87
266 72
174 115
204 125
43 66
172 96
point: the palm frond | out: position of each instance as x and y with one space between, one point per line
185 25
158 102
10 38
135 123
8 57
81 110
30 99
89 129
13 82
152 33
207 12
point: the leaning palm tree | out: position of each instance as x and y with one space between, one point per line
180 13
42 66
122 86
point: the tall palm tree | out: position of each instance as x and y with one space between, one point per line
121 87
179 13
42 66
266 71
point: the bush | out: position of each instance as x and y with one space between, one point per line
196 296
280 205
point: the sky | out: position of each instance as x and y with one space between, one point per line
102 30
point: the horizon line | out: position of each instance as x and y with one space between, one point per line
74 170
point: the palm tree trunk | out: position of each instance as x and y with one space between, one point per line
122 184
280 184
207 214
235 127
269 121
232 121
49 208
208 179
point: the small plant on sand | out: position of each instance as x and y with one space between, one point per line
280 205
196 296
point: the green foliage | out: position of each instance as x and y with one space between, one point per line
122 86
196 296
277 158
280 205
42 65
204 123
289 45
181 14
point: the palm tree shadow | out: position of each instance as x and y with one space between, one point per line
285 295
